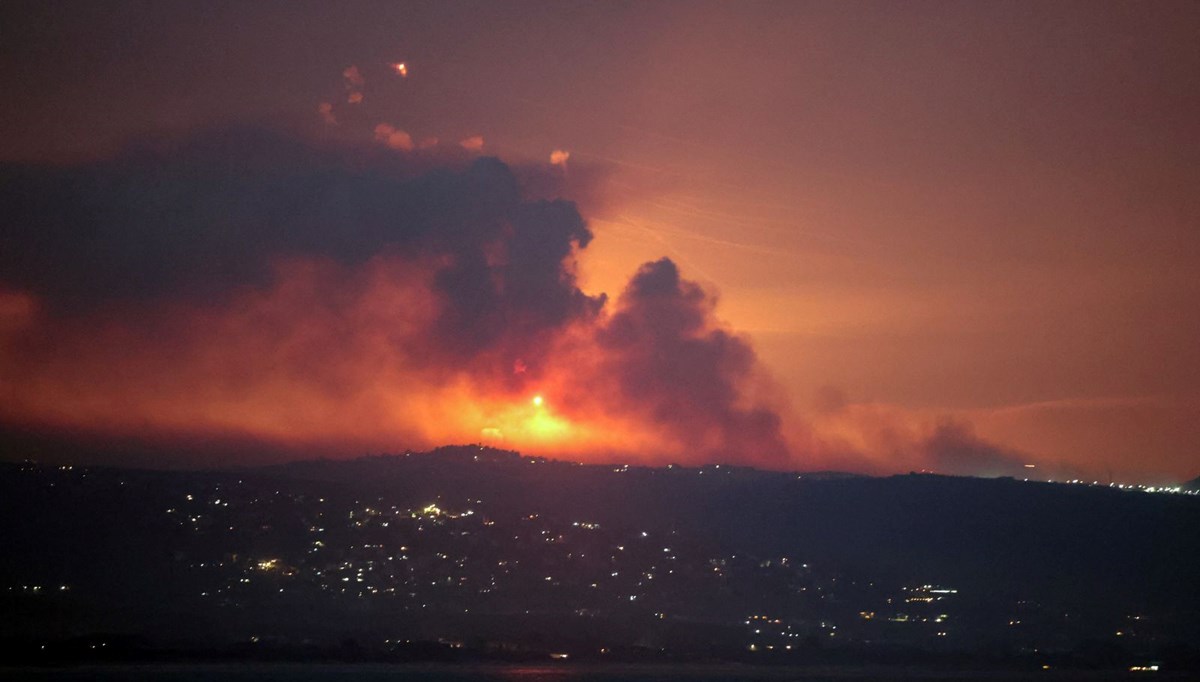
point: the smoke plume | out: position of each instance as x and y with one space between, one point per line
247 285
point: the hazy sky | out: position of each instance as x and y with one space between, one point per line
974 221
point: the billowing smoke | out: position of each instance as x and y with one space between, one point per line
881 438
954 448
244 287
248 285
217 214
669 361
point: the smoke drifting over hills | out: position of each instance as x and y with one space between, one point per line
246 287
244 282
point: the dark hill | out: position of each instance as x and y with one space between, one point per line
511 554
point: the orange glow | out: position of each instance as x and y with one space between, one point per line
16 310
353 77
335 383
938 217
315 362
309 363
325 109
393 137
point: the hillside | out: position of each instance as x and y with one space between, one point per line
495 553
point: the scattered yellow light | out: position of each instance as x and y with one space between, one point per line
537 400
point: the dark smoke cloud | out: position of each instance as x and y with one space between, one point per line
672 363
198 220
276 246
885 438
954 448
211 289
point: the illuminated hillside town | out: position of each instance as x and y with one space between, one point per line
273 561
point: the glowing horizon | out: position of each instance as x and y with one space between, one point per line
749 234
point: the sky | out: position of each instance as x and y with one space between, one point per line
878 237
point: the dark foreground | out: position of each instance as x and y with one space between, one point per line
475 557
563 673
